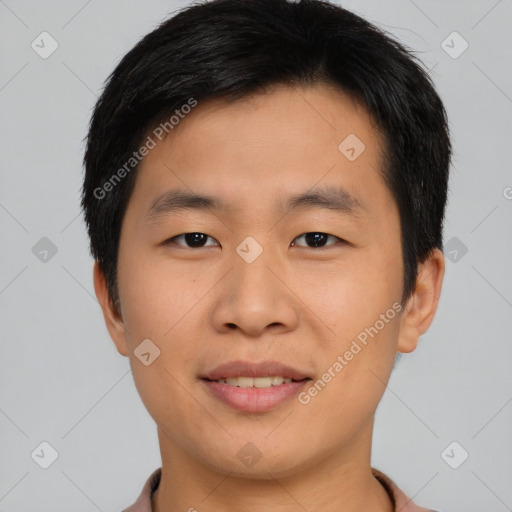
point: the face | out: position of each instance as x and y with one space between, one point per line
290 266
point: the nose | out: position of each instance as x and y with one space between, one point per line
255 298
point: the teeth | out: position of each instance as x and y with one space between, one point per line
245 382
276 381
257 382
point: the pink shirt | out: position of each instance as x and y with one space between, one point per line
401 501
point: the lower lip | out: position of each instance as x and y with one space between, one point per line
254 399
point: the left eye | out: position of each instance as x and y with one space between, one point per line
317 239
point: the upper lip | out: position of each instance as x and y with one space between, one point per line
252 369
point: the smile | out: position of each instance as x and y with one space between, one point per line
257 382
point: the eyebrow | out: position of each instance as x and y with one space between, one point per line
329 197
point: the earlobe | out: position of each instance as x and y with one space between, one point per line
422 305
113 320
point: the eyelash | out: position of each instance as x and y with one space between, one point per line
172 240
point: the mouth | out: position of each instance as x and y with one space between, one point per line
254 387
256 382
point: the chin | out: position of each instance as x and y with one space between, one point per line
250 462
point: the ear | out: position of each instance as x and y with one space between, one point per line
113 320
421 307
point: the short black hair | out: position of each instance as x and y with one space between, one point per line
230 49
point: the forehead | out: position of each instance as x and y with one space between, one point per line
257 150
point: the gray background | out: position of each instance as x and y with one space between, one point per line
63 382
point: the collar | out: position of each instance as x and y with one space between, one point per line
400 501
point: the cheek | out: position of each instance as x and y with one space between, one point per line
361 370
159 303
349 295
359 302
156 295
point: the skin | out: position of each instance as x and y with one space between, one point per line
295 303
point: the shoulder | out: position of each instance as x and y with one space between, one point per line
143 502
401 501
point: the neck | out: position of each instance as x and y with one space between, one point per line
339 482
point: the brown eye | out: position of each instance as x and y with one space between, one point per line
192 240
317 239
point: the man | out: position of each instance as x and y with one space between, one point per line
264 192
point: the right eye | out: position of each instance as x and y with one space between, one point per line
195 240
